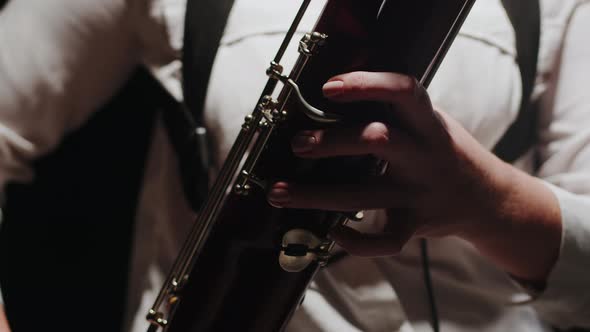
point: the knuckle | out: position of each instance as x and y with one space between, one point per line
358 81
408 85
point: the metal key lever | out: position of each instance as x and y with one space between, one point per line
309 110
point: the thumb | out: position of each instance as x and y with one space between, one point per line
369 244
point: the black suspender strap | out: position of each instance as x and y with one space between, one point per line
76 217
205 22
204 25
525 16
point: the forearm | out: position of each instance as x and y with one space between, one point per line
523 237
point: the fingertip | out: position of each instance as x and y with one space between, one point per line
333 88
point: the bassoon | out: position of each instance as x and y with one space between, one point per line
246 265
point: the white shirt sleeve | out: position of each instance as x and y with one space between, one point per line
565 156
59 61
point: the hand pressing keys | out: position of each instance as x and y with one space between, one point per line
440 182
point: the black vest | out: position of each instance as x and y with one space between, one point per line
66 238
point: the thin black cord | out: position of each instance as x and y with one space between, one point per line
428 284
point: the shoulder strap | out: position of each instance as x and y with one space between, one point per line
525 16
205 22
204 25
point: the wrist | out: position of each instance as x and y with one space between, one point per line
489 215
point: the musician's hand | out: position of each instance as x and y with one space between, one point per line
440 182
3 322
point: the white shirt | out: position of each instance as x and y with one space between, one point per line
478 84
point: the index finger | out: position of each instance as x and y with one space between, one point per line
409 97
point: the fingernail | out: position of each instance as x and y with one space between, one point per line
279 196
333 88
303 143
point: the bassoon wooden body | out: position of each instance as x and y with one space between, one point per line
246 265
